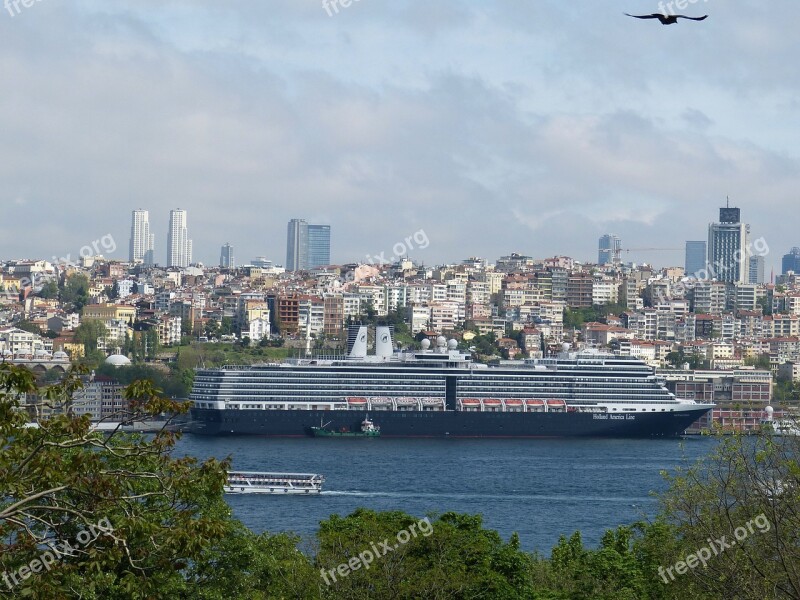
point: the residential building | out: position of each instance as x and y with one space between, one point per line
179 246
100 398
142 240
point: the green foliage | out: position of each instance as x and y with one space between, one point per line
760 362
174 384
249 566
29 327
678 358
485 345
76 291
153 515
749 485
786 393
574 318
49 291
457 558
89 332
112 291
217 355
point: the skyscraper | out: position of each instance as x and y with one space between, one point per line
609 247
791 261
756 271
142 241
307 246
296 245
179 246
226 259
728 256
319 246
695 258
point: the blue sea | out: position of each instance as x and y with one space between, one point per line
541 489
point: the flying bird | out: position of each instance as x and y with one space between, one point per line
667 19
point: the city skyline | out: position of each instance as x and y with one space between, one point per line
762 265
380 143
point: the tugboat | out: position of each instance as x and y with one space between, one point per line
368 429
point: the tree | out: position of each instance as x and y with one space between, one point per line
449 557
76 291
186 326
212 328
89 333
761 361
29 327
747 490
138 522
49 291
765 304
226 326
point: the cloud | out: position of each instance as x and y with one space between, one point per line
496 127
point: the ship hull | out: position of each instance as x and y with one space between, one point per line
444 424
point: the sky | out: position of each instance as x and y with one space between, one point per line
492 126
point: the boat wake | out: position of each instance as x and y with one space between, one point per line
509 496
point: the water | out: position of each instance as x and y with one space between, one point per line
540 489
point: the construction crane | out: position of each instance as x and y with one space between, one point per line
616 253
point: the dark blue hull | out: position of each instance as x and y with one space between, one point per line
457 424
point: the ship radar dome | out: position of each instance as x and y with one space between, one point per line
426 343
769 410
565 347
452 345
441 341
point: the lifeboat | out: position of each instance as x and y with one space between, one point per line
470 402
381 401
357 401
513 402
492 402
406 401
556 403
534 402
433 401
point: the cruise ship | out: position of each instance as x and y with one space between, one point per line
440 392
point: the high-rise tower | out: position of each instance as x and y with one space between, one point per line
728 255
179 246
142 241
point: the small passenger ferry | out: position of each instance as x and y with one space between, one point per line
252 482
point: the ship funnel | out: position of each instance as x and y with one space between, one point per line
357 341
384 346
